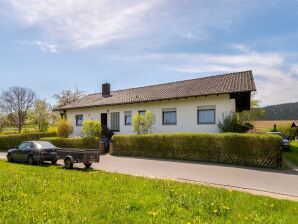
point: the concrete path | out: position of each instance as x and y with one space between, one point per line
274 183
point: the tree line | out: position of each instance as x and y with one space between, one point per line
20 107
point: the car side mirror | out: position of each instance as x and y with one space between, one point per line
17 147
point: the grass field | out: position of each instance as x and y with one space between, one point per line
268 125
32 194
292 156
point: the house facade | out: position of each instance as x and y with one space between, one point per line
195 105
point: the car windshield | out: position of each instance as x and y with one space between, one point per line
44 145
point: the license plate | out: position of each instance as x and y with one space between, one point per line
53 153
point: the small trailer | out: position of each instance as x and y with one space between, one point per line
72 156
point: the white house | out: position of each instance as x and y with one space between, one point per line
195 105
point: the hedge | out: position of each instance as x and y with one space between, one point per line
13 140
232 148
80 143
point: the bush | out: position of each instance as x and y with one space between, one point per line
11 141
232 124
64 128
80 143
241 149
91 128
142 124
288 131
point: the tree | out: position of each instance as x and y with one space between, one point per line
142 124
68 96
91 128
3 121
256 112
40 116
15 103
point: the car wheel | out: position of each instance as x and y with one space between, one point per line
54 162
9 158
68 164
87 164
30 160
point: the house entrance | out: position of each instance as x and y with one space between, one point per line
104 120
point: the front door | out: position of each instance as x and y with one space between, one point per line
104 119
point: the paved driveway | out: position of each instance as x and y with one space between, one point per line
280 184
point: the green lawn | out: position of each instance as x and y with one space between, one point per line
292 156
32 194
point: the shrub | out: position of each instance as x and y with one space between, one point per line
91 128
288 131
142 124
29 131
231 123
80 143
11 141
242 149
64 128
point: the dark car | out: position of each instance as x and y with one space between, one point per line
33 152
284 140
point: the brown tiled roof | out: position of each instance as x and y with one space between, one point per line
221 84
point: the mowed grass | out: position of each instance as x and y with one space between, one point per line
34 194
292 155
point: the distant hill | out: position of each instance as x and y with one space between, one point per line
286 111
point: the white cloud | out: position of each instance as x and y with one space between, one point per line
78 24
240 47
294 69
82 24
43 46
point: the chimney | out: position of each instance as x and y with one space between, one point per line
106 90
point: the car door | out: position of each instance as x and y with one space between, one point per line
17 154
24 151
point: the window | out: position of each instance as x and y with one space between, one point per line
44 145
142 112
127 117
79 120
206 115
169 116
115 121
24 145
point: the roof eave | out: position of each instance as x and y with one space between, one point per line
147 101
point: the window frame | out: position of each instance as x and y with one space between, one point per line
77 119
206 108
112 121
126 114
171 110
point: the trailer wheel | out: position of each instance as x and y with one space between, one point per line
68 164
87 164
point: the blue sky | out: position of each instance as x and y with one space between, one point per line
50 45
